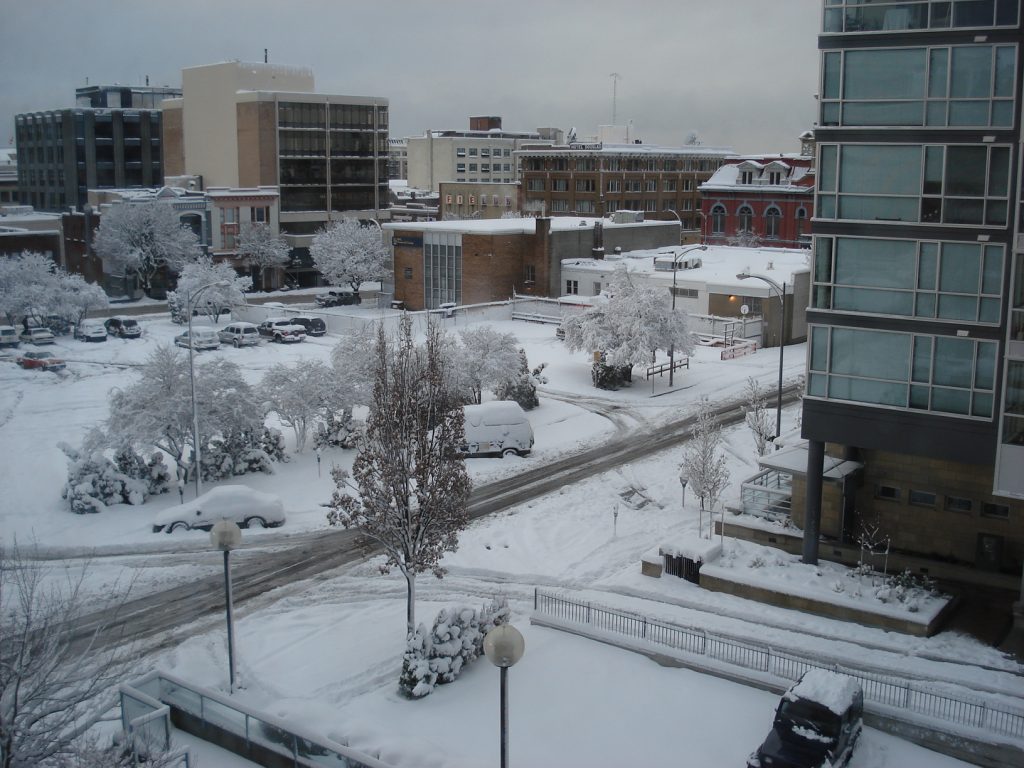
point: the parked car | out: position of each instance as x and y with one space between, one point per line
337 297
90 330
45 360
238 503
9 336
816 724
240 334
202 338
123 327
314 325
281 330
497 428
37 335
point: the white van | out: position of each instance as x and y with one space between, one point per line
9 336
498 428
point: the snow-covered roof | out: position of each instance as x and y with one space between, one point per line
523 226
830 689
697 150
800 177
12 214
793 460
719 265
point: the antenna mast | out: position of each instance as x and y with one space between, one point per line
615 76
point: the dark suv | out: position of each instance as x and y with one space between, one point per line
314 325
816 725
123 327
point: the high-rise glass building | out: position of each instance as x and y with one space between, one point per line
915 363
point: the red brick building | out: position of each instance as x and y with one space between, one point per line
760 199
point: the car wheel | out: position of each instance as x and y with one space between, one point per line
255 522
176 526
509 452
235 342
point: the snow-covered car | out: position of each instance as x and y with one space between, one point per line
44 360
9 336
816 724
314 326
238 503
37 335
240 334
281 330
123 327
496 428
90 331
202 338
337 298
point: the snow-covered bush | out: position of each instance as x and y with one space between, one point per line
523 388
456 639
94 483
231 455
339 430
153 472
611 377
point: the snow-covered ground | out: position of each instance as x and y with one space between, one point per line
328 656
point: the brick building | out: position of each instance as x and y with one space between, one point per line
479 200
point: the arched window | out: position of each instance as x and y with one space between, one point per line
718 220
746 218
772 219
801 222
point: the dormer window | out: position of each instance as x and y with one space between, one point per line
746 177
775 177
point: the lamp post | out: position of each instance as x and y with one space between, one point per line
675 268
196 451
225 536
503 647
781 291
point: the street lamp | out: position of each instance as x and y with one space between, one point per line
196 451
225 536
675 268
781 291
503 647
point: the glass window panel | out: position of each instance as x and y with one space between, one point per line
822 297
954 360
874 74
989 312
875 263
817 385
830 113
922 367
882 112
992 273
925 305
995 213
819 349
873 168
960 268
1006 12
823 259
830 75
936 114
927 266
951 400
1005 61
933 170
919 397
866 391
982 404
958 307
827 168
827 206
985 369
940 15
962 211
1002 113
968 112
880 208
971 72
937 73
972 13
870 353
878 302
999 171
965 171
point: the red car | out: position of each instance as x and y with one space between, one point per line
44 360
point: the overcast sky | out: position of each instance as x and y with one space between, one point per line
740 73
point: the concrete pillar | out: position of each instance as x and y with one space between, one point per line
812 514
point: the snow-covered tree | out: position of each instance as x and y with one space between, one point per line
143 238
412 483
630 325
29 285
704 463
354 359
264 250
487 359
523 388
50 676
745 238
303 396
348 251
228 288
759 419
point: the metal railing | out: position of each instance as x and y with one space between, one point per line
259 729
768 494
879 688
147 727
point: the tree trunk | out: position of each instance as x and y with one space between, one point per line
410 602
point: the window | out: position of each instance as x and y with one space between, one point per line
559 206
999 511
597 288
259 215
745 218
535 185
442 268
408 273
858 16
940 374
585 206
684 293
586 185
559 185
687 185
958 504
586 164
485 167
460 168
746 177
460 151
473 167
960 184
531 273
650 205
801 222
922 498
669 185
611 206
718 220
572 287
633 185
772 218
614 185
472 152
486 152
669 205
651 185
887 493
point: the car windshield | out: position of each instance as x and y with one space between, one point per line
806 714
129 323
